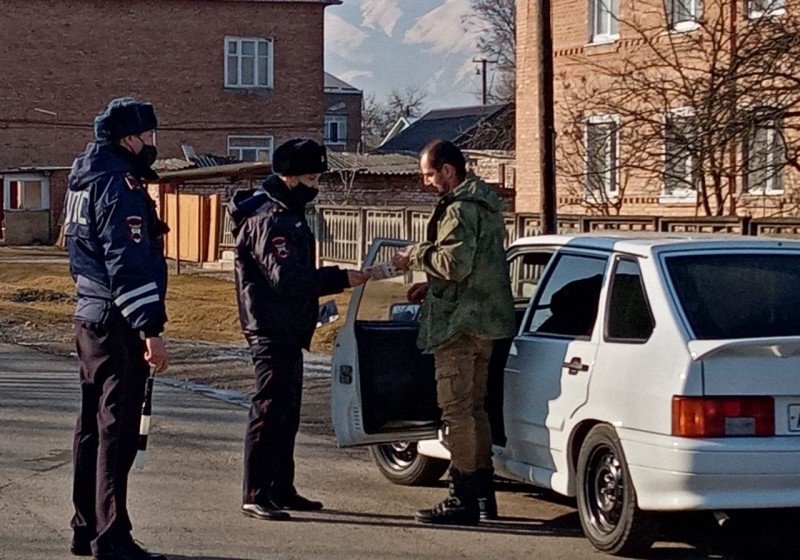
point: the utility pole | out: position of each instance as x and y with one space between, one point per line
547 129
484 62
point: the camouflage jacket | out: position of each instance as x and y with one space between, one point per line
469 289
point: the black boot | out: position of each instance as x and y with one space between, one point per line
487 502
459 508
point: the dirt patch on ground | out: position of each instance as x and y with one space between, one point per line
206 346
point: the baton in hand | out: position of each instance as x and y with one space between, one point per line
144 425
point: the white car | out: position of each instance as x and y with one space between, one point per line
648 374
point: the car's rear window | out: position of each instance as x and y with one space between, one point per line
738 295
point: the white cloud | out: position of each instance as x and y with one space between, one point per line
344 39
383 14
466 71
352 75
443 29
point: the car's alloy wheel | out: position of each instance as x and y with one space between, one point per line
607 505
402 464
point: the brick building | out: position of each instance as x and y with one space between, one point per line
343 108
603 147
225 76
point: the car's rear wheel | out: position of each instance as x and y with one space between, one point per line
607 506
402 464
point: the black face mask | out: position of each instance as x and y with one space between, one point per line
303 193
147 156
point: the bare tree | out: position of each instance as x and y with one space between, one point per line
376 121
696 105
348 172
407 103
380 116
497 133
496 23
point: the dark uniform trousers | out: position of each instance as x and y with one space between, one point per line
113 373
273 421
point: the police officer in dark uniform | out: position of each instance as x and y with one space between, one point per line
278 287
116 259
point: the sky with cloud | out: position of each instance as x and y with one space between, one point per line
381 45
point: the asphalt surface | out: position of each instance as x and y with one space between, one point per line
185 502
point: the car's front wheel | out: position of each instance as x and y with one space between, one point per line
607 503
402 464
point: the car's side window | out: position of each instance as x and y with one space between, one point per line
629 318
568 302
526 271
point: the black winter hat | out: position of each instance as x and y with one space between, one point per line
299 156
123 117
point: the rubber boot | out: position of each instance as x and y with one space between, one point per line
459 508
487 502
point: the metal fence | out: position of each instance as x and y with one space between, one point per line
344 233
366 224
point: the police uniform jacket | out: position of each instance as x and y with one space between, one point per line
115 242
277 282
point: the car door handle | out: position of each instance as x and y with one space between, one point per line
575 366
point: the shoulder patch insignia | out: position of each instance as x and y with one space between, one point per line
132 182
279 247
134 224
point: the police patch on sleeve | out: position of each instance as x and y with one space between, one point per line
279 247
134 224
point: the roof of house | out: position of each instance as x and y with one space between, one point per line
401 124
373 164
449 124
335 85
228 171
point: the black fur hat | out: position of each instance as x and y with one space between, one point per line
299 156
123 117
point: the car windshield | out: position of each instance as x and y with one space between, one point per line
740 295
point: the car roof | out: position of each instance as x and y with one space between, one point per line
646 243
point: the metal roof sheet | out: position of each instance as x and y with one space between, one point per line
449 124
336 85
373 164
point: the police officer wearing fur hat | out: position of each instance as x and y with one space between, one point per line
278 287
116 259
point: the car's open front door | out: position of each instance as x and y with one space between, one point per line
383 387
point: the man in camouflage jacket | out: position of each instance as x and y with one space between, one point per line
466 305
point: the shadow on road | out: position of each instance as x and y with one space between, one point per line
564 526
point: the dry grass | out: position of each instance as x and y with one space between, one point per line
38 299
18 280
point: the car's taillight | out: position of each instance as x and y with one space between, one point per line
723 416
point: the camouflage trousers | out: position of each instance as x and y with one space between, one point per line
461 371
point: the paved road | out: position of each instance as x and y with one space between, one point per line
185 502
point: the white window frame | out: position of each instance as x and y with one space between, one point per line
772 126
610 33
775 8
239 56
44 193
693 20
341 121
612 166
686 194
268 146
